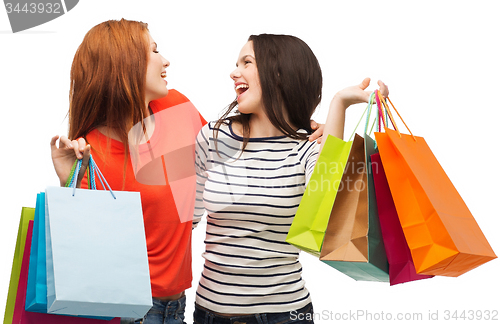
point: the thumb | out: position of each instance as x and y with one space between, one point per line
53 141
364 84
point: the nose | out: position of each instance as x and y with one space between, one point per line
235 74
166 63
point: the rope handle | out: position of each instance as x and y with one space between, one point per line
72 177
386 106
69 182
93 169
368 115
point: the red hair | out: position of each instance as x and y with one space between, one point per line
108 78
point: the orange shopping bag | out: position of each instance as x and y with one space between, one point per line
441 232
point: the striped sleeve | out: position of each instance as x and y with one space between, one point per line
309 153
201 155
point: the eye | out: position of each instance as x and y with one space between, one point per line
156 51
248 62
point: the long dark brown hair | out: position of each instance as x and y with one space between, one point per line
108 79
291 81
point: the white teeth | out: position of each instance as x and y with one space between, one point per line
163 75
240 86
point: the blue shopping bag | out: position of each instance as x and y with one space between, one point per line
36 290
96 254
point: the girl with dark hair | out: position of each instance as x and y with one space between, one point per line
252 170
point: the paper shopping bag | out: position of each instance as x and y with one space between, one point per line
36 291
311 219
353 241
401 267
97 262
21 316
443 236
27 214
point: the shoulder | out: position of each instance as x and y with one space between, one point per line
308 150
204 134
173 98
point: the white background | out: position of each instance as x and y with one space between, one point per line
439 58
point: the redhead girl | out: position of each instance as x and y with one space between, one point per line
252 170
117 81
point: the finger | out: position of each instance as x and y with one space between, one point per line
384 90
53 141
81 144
315 135
318 133
76 149
319 140
65 142
365 83
314 125
85 164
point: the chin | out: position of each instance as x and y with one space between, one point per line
243 111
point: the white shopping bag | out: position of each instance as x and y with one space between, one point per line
97 263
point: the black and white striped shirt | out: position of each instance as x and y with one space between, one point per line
251 201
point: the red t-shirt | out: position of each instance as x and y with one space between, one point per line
168 239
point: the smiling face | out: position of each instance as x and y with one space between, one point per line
156 85
246 82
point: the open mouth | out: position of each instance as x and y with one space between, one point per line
164 75
241 88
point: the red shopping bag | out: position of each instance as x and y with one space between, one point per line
401 267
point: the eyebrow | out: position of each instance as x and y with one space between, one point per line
243 58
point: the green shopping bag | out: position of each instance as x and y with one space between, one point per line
27 214
309 225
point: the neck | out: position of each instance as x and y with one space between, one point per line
261 126
149 122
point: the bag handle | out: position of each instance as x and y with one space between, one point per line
368 115
383 117
93 169
69 182
377 117
386 106
90 176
